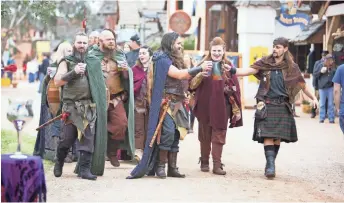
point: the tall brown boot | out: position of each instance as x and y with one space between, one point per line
112 147
160 169
204 159
217 153
172 170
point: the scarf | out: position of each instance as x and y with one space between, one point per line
139 76
293 79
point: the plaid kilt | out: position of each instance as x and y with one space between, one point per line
279 124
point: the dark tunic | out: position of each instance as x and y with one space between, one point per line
212 105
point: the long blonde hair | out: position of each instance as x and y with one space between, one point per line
60 53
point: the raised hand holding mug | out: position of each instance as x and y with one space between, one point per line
207 67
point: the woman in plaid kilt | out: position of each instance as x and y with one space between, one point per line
280 81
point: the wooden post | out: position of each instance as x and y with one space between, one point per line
335 22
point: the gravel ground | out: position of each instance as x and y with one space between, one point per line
309 170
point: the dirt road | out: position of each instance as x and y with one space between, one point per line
310 170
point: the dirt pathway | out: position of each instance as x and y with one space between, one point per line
310 170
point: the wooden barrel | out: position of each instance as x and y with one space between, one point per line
53 97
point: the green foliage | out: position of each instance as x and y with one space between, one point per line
189 43
9 144
18 11
155 45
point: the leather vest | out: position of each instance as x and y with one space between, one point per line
112 76
76 89
175 86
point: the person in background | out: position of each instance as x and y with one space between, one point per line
324 75
126 48
42 70
32 69
315 80
338 91
10 62
133 55
140 72
93 40
48 137
26 60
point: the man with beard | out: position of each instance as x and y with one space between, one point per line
168 118
280 81
83 98
119 83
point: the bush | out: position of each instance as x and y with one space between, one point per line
189 43
154 45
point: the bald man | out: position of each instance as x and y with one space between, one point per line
118 80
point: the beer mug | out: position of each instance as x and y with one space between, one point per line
210 71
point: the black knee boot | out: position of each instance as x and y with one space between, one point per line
270 156
85 166
60 156
172 170
160 169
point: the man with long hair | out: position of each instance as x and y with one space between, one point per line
167 109
83 98
119 82
280 81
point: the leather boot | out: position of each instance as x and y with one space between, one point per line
172 170
151 172
112 148
160 169
85 166
60 156
204 159
270 164
217 153
313 113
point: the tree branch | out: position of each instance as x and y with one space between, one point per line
14 16
23 16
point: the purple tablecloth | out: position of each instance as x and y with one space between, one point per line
22 180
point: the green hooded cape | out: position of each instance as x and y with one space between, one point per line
98 92
129 142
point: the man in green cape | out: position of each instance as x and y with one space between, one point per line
119 82
84 100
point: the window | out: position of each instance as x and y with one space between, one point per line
179 5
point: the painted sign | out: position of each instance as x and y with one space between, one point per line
289 15
180 22
296 19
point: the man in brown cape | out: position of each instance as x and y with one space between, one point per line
280 81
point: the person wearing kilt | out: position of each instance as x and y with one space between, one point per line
280 81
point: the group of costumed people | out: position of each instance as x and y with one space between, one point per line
145 110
